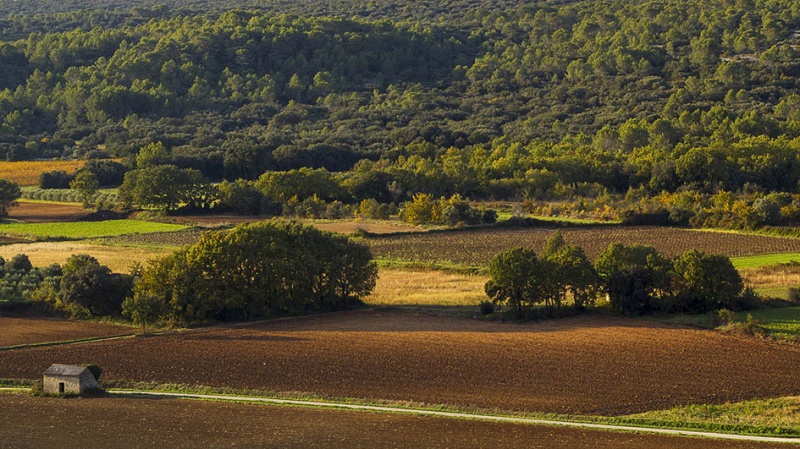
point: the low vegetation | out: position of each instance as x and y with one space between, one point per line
779 416
85 230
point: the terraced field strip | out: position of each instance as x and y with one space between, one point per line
457 415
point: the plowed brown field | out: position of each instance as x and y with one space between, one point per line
28 422
478 246
23 331
47 212
589 365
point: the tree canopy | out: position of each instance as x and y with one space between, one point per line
259 270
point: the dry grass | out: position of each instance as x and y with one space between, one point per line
119 259
781 275
26 173
401 287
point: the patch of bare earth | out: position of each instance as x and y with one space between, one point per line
585 365
22 331
47 212
31 422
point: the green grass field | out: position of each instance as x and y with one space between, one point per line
85 230
762 260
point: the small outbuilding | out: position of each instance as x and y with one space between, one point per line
68 379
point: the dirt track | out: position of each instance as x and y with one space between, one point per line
28 422
589 365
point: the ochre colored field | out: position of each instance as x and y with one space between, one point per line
23 331
585 365
35 422
405 288
26 173
30 212
119 259
478 246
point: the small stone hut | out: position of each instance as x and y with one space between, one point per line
68 379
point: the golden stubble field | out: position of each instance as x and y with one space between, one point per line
585 365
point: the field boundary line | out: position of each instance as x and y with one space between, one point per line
459 415
66 342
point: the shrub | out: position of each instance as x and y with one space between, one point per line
57 179
486 307
794 294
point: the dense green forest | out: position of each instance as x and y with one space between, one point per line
671 101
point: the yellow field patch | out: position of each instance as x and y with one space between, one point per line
119 259
26 173
402 287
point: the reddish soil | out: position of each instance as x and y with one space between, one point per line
23 331
30 422
48 212
586 365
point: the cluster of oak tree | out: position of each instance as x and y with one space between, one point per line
252 271
637 280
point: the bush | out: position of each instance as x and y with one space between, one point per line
486 307
57 179
721 317
794 294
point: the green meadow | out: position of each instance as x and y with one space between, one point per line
85 230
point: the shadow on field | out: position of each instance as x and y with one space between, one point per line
409 320
223 337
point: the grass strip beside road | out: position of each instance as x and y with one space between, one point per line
460 415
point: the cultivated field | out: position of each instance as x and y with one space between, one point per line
41 212
24 331
477 246
27 423
587 365
26 173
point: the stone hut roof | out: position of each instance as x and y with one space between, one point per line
64 370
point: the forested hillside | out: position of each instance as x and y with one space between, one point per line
492 99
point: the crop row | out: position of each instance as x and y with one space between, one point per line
477 246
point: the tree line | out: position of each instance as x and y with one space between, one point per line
636 280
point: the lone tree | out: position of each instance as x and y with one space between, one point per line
9 194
